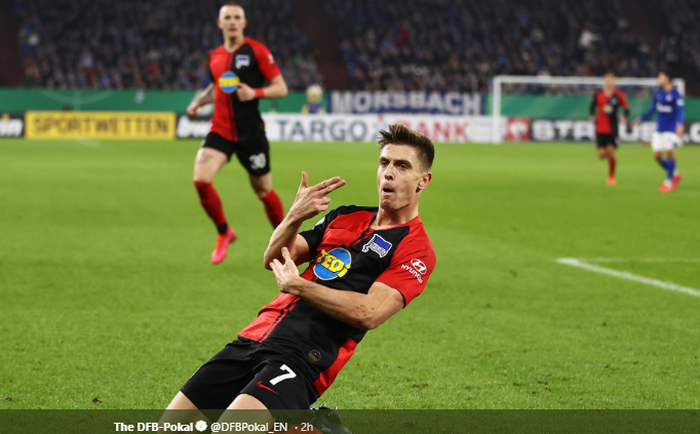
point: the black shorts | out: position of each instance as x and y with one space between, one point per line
246 366
603 140
252 149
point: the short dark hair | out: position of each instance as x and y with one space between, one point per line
232 3
665 72
400 134
609 72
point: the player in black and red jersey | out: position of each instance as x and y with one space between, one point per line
239 70
604 107
365 265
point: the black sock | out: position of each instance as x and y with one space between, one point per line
222 229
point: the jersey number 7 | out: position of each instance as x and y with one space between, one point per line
287 376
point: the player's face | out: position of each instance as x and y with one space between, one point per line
662 79
609 82
400 177
232 21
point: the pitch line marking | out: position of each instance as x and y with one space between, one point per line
629 276
660 260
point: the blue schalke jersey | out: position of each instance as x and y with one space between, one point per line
670 109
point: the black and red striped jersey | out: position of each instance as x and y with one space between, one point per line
252 64
605 108
347 255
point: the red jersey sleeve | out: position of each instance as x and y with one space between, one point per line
623 99
410 268
266 63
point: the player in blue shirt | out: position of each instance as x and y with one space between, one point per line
668 103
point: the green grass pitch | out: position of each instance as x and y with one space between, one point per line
106 290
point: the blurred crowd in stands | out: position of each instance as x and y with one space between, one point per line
146 44
407 45
460 44
682 42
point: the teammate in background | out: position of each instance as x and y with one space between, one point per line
314 103
365 264
668 103
239 70
604 107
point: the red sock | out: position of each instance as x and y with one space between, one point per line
612 162
211 202
273 208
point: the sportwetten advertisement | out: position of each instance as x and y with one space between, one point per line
100 125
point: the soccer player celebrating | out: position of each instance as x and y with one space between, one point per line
668 103
604 108
239 69
365 265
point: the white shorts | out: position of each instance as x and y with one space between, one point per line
666 141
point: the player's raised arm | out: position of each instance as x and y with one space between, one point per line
204 98
362 311
310 202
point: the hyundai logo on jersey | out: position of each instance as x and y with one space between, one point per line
242 60
332 264
378 245
228 82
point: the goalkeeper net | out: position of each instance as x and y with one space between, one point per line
544 108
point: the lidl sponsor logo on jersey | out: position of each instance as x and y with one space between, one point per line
332 264
228 82
447 103
11 125
378 245
100 125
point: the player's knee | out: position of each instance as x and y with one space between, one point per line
202 175
262 192
201 178
262 186
181 402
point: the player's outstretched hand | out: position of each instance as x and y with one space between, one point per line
634 123
192 109
311 201
287 273
680 129
245 92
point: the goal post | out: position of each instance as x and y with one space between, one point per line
497 131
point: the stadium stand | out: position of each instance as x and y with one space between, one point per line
459 45
428 45
101 44
680 43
